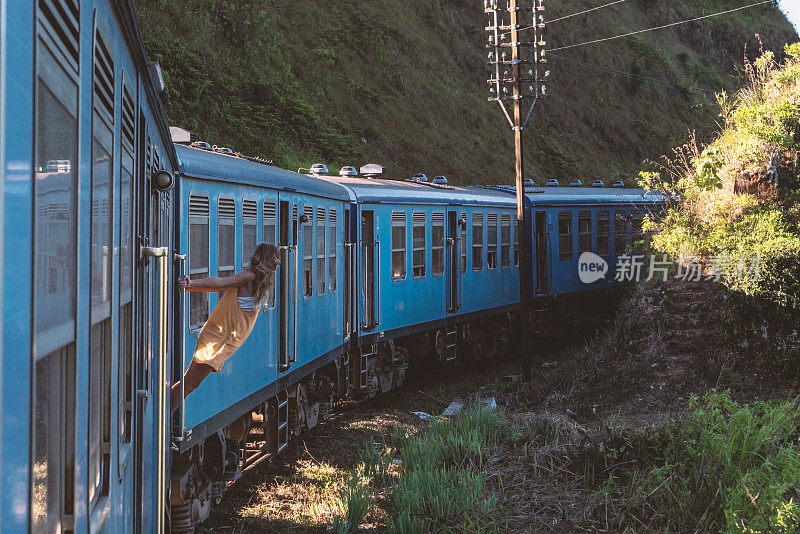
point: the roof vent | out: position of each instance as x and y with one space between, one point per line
576 183
598 183
156 76
222 150
372 170
419 177
348 171
180 136
528 182
552 182
440 180
201 144
319 169
618 184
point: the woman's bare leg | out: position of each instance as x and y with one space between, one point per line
194 376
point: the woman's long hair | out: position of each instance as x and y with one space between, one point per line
263 263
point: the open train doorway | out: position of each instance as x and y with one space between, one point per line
454 245
540 238
368 258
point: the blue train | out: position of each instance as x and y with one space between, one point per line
109 212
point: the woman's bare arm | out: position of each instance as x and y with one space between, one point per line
216 283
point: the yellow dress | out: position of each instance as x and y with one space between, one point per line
224 331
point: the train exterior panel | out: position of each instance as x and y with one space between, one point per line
229 205
568 222
82 136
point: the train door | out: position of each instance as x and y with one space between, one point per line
368 248
453 255
287 284
349 271
151 342
541 239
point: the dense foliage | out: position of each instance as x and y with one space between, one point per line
738 197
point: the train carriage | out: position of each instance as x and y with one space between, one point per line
87 229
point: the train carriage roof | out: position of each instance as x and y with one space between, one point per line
564 196
406 192
209 165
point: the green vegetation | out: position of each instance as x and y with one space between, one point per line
727 468
737 198
437 478
403 83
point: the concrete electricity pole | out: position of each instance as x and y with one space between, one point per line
503 87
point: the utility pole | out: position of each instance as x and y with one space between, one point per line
532 54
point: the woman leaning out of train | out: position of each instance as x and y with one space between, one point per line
233 317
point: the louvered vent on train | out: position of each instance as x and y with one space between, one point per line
249 209
418 217
320 214
491 218
198 206
227 208
438 217
332 215
61 20
128 118
103 77
269 211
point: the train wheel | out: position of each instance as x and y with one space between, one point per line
440 345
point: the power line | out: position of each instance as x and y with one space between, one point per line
661 27
623 74
587 11
573 14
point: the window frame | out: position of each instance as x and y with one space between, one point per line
566 236
604 232
477 248
224 221
437 248
321 251
199 220
399 219
332 241
249 221
505 241
621 240
585 234
492 220
462 232
415 250
269 219
307 236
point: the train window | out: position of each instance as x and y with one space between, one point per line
332 249
249 233
268 235
308 251
54 267
491 240
565 235
419 221
126 262
505 240
437 243
516 242
477 241
620 231
603 232
102 246
321 250
399 244
226 237
584 232
198 257
463 233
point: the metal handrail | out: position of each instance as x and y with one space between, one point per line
184 326
162 253
377 284
294 298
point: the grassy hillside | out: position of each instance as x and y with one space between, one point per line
403 83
